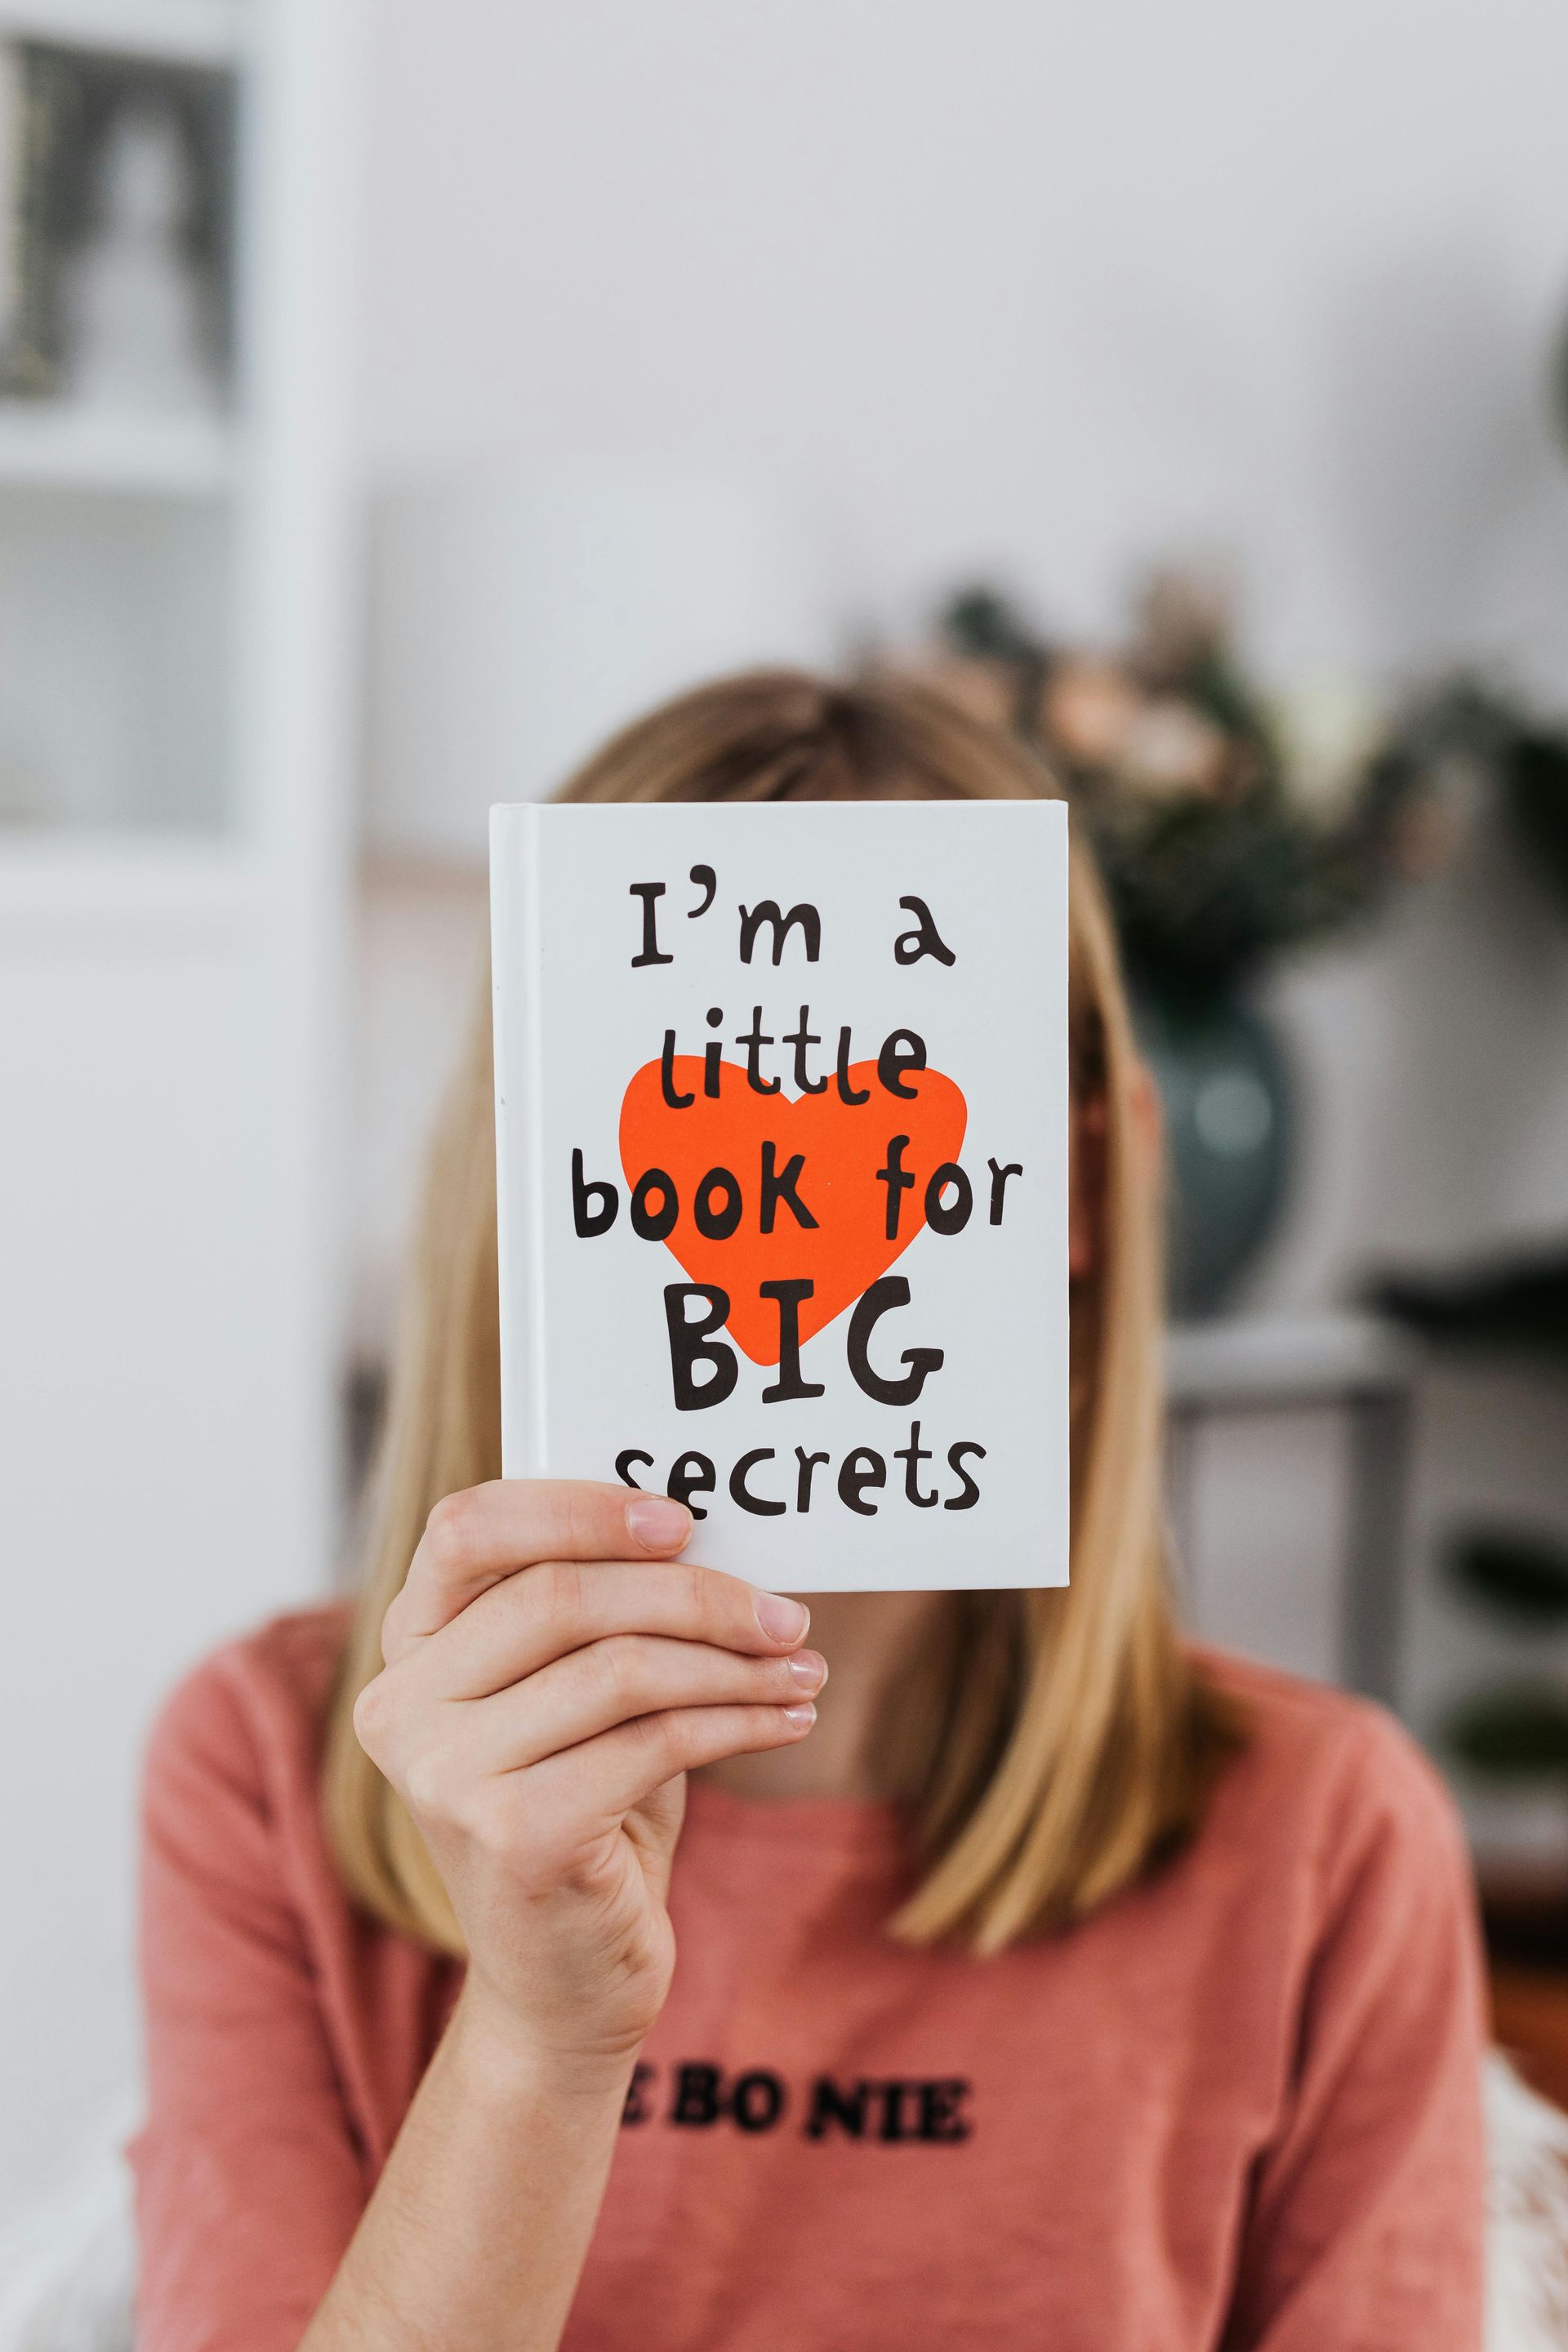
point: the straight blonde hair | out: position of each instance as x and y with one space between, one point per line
1057 1744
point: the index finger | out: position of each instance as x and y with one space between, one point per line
474 1538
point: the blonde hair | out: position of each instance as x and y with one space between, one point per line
1062 1741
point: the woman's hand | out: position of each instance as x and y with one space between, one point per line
552 1671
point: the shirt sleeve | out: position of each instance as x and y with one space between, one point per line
1366 2226
249 2182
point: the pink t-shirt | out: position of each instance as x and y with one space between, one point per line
1238 2107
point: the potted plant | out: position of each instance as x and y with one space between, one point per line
1229 827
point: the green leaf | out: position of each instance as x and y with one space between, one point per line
1515 1733
1523 1576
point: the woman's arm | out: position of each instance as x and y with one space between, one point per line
251 2183
545 1690
249 2180
1366 2217
477 2229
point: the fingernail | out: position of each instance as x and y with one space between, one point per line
803 1717
809 1668
658 1524
782 1620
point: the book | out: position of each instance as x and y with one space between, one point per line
782 1132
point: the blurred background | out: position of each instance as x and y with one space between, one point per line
393 399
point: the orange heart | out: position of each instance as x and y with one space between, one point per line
842 1146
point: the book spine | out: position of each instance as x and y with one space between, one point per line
516 959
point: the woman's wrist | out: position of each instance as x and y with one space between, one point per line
499 2056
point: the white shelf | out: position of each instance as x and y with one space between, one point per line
1284 1359
200 31
56 447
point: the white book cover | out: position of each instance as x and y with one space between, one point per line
782 1138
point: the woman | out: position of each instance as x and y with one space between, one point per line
1039 1981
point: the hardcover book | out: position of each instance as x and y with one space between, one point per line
782 1152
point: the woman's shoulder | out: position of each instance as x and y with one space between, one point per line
1337 1771
252 1710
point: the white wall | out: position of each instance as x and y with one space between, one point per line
419 968
1037 289
1431 1067
1044 291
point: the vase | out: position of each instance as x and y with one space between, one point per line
1225 1091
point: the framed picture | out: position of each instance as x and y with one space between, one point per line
117 178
